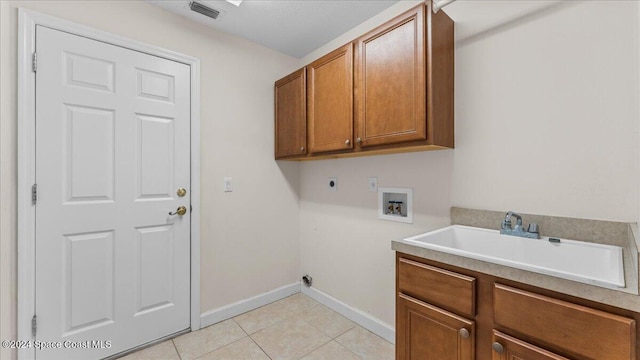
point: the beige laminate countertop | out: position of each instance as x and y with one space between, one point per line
622 298
625 298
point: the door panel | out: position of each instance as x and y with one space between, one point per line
291 115
155 267
154 156
113 146
428 332
156 86
89 72
88 283
89 130
391 85
330 101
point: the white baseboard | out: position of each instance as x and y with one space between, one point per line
228 311
361 318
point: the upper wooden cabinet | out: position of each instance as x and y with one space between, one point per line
330 101
291 115
391 90
390 77
404 81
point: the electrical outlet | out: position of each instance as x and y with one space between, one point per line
228 185
332 182
373 184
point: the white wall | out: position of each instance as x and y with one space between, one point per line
546 122
547 110
250 236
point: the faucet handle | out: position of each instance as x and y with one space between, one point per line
533 228
506 224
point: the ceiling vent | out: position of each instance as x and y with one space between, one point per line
204 10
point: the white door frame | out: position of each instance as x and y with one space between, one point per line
28 20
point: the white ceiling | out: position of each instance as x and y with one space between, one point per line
293 27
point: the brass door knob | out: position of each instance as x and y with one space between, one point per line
181 192
179 211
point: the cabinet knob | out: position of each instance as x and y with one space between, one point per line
359 141
302 149
347 142
464 333
497 347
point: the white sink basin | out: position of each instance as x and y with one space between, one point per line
589 263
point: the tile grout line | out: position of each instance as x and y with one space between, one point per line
241 328
299 316
288 317
176 348
260 347
341 344
295 316
330 340
346 331
222 347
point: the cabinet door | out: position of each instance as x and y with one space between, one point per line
426 332
390 82
563 324
291 115
506 347
330 101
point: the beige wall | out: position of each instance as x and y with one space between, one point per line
250 236
547 113
546 122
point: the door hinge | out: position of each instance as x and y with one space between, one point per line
34 326
34 194
35 62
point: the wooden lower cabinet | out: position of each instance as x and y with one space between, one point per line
506 347
427 332
446 312
579 331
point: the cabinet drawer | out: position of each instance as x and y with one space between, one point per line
578 330
446 289
513 348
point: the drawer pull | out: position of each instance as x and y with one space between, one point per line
464 333
497 347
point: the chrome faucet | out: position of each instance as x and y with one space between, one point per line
518 229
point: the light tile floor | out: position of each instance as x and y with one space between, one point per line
296 327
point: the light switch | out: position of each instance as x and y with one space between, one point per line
373 184
228 185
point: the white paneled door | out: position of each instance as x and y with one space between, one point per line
112 152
